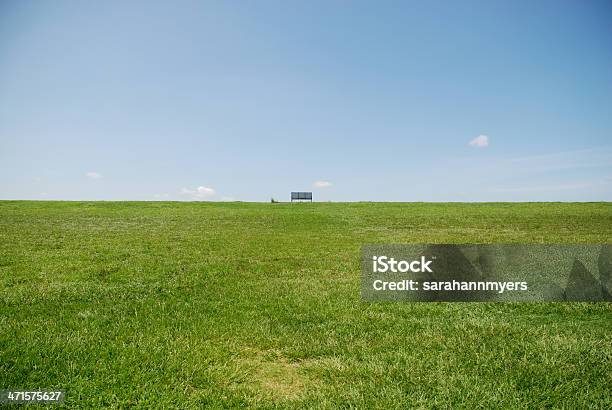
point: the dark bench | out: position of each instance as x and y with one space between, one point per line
301 196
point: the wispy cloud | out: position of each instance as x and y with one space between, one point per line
585 158
480 141
93 175
574 186
201 192
322 184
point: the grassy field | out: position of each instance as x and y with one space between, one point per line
244 304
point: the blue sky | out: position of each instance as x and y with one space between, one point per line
375 101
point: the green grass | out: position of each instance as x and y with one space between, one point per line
209 304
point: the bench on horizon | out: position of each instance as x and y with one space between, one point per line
301 196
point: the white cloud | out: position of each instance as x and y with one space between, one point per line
480 141
201 192
93 175
321 184
159 196
228 198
